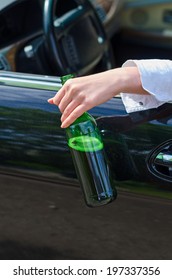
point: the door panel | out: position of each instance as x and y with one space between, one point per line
42 211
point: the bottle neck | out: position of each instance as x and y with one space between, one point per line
66 77
85 116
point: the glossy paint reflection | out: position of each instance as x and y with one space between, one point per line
42 211
31 139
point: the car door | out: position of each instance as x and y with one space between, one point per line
42 211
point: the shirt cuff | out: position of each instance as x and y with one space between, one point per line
155 77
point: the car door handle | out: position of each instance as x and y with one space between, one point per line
164 159
159 161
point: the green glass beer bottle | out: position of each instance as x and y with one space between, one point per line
87 149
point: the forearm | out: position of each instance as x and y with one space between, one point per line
128 80
141 87
83 93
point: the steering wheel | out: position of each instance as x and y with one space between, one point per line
76 41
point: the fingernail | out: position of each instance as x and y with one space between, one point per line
50 100
63 125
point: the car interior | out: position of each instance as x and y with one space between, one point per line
59 37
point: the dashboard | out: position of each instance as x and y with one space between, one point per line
137 22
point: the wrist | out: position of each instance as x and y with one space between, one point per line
131 80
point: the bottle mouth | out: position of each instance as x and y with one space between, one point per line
85 143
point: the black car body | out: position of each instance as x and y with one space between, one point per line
42 211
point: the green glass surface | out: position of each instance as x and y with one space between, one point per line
93 174
85 143
66 77
86 146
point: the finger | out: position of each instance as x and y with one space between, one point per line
70 107
71 93
50 100
65 101
76 113
66 89
59 96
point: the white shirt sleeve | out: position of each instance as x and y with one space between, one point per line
156 78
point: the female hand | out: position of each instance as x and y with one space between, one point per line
78 95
